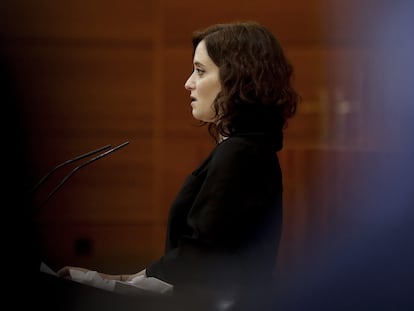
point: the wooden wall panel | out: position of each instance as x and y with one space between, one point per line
176 102
78 99
330 81
294 22
76 21
320 187
117 247
84 77
65 88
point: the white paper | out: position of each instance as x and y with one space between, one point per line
150 284
138 285
92 278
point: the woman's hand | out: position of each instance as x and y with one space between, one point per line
65 271
130 277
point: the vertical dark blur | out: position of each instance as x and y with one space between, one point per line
366 261
19 238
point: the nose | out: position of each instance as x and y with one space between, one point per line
189 84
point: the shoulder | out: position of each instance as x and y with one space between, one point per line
240 150
234 146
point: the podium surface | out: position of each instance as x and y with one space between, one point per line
54 293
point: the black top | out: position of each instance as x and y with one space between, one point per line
225 224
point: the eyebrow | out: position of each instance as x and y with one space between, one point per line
196 63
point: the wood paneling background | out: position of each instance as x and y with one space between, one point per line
87 74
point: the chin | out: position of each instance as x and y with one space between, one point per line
194 115
197 116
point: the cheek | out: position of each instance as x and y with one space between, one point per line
211 91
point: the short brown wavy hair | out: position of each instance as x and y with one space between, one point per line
257 93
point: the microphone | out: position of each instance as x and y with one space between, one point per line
77 158
77 168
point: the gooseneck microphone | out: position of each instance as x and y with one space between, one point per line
77 158
77 168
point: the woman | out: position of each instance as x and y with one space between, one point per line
225 224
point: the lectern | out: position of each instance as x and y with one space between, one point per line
54 293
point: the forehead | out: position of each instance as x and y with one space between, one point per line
201 55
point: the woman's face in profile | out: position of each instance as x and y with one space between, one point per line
203 84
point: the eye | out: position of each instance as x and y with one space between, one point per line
199 71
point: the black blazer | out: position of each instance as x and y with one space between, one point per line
225 224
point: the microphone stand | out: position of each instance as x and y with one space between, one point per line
77 168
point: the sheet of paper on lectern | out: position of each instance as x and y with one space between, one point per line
138 285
